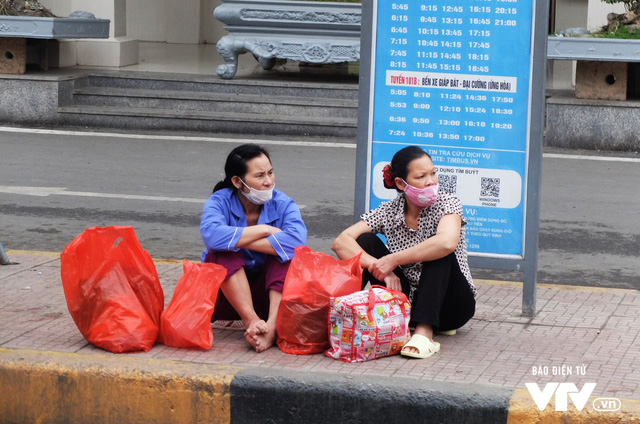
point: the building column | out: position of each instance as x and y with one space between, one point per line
116 51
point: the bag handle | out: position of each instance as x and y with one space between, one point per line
372 300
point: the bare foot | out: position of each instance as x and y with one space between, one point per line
255 330
423 330
411 349
266 340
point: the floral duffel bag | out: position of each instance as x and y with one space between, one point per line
368 324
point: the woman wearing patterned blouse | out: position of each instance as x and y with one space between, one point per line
425 255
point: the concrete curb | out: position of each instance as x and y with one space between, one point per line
51 387
279 397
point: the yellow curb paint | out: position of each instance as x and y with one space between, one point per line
480 282
523 410
33 253
57 255
44 387
168 261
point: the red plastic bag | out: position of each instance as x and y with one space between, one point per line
312 279
112 289
187 320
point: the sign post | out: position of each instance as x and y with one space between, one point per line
465 82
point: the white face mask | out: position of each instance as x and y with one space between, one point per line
259 197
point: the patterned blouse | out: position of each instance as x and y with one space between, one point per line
388 219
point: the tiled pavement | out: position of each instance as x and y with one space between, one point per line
577 328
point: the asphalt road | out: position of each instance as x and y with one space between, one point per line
54 185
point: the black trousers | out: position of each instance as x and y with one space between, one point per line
443 298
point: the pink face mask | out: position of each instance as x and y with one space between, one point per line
422 197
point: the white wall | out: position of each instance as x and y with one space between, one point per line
147 19
211 30
571 14
164 20
61 8
187 21
598 11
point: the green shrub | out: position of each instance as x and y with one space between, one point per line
622 32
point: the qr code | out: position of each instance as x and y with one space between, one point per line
490 187
448 183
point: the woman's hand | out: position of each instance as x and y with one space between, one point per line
268 229
382 267
254 238
257 232
393 282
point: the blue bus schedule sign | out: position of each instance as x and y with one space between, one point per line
454 78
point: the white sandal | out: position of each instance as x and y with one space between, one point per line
422 344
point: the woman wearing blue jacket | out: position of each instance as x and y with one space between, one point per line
251 229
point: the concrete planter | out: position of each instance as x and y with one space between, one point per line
596 116
599 49
315 32
78 25
15 31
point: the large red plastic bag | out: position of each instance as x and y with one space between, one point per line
368 324
312 279
112 289
187 320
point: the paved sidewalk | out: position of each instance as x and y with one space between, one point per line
592 332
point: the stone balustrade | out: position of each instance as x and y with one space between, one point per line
313 32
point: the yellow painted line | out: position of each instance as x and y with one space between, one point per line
32 253
554 286
57 255
65 387
171 138
478 281
168 261
523 410
497 283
